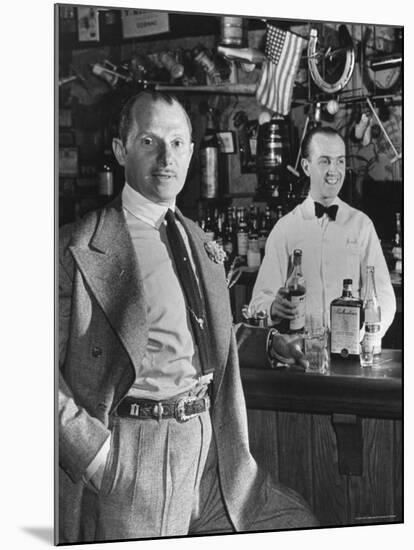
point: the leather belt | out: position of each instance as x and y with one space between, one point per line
181 409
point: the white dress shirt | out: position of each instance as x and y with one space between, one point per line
331 252
171 364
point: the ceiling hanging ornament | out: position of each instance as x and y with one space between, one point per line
326 63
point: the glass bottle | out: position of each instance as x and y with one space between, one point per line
253 250
209 160
372 315
252 216
397 245
242 235
106 175
262 237
209 227
219 230
203 59
279 212
228 235
296 293
268 218
346 322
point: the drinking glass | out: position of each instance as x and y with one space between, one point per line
316 343
366 354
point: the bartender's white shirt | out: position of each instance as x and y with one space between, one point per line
331 251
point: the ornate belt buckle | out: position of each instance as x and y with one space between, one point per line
157 411
180 409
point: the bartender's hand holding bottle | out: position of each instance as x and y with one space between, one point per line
281 307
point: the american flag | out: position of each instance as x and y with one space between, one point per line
283 50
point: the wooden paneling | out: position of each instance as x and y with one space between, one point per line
300 450
295 452
372 495
398 470
329 487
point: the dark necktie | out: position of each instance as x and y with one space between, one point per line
193 296
320 210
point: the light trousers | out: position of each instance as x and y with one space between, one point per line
161 479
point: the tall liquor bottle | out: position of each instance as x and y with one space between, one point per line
346 322
229 237
253 251
219 230
296 293
372 315
253 221
209 160
279 212
209 227
106 174
397 245
242 235
263 234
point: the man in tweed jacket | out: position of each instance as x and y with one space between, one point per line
129 468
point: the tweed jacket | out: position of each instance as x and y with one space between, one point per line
103 334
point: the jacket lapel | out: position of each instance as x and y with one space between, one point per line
110 268
213 285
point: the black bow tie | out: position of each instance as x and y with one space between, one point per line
320 210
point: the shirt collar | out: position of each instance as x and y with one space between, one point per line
142 208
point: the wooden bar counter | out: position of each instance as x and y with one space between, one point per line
336 438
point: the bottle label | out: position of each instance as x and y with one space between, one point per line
242 243
209 172
372 337
345 330
298 322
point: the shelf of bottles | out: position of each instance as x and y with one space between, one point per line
241 231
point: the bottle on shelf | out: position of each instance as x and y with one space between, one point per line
209 227
397 246
268 219
346 322
209 160
203 59
252 222
279 212
372 315
229 238
253 250
242 235
296 293
262 236
106 175
218 234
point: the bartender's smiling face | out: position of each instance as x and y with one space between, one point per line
325 166
158 150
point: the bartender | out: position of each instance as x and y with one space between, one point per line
337 241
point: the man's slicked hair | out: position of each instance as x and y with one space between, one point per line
322 130
127 121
